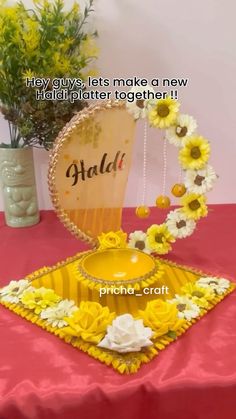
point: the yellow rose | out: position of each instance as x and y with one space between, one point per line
112 240
89 322
161 317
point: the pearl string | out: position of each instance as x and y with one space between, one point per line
144 162
164 166
180 178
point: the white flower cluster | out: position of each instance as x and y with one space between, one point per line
56 315
218 285
188 308
126 335
12 292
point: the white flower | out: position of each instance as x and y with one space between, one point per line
139 108
126 335
219 285
185 126
179 225
56 315
200 181
11 293
186 308
138 240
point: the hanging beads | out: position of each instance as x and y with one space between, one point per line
143 211
178 190
163 201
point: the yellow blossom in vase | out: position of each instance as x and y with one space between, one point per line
89 48
112 240
161 317
195 153
194 206
159 239
39 298
28 74
89 322
163 113
201 296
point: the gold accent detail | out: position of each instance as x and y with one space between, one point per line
150 268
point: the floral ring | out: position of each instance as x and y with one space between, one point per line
199 176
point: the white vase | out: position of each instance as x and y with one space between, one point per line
18 186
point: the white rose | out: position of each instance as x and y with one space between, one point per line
126 335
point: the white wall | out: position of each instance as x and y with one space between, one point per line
169 38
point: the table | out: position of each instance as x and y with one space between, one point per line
42 377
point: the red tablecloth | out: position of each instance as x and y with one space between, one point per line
194 378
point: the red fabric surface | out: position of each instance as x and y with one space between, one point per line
42 377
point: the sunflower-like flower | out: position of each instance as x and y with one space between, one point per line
89 322
200 181
138 240
187 309
184 127
38 299
163 113
194 206
161 317
159 238
139 108
201 296
218 285
195 153
179 225
112 240
56 315
11 293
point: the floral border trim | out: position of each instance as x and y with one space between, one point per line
127 363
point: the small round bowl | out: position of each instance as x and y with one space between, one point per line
118 266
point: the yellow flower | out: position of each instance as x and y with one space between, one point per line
76 8
39 299
28 74
112 240
194 206
164 113
89 48
195 153
10 12
61 29
31 37
199 295
89 322
161 317
159 238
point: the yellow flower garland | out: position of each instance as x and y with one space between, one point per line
194 153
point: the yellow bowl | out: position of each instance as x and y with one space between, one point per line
118 266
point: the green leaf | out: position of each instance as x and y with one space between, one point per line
171 334
4 145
